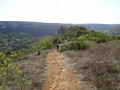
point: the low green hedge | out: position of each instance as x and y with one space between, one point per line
76 45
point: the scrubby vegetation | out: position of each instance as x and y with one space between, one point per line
101 40
46 44
76 33
35 68
98 61
75 45
73 34
24 43
50 42
10 76
99 65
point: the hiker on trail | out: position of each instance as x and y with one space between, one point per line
57 47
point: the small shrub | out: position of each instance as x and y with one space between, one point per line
101 40
63 48
75 46
84 46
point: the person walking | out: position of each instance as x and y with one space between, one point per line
57 47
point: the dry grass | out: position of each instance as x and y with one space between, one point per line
35 68
98 66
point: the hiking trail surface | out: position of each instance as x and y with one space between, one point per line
60 76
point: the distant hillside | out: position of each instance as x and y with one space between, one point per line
33 28
95 27
42 29
113 31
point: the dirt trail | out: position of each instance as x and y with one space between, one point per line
60 77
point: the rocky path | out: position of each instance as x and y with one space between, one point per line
60 77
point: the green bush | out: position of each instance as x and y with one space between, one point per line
80 33
9 73
46 44
116 37
74 46
84 46
57 40
63 48
101 40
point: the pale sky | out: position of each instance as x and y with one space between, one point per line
61 11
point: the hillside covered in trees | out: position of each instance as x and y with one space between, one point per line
42 29
80 33
113 31
16 41
18 35
33 28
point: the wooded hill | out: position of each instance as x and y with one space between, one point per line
42 29
16 35
113 31
33 28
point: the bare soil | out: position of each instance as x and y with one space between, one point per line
60 76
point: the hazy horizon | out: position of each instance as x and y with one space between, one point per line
61 11
58 22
